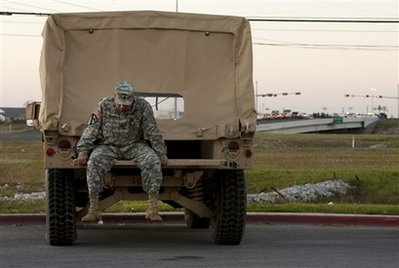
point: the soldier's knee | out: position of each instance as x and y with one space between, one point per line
97 161
94 158
91 165
152 160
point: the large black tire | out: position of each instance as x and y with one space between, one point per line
228 223
193 221
61 214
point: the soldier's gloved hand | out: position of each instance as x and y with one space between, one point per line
82 159
164 161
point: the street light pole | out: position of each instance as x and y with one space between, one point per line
372 99
256 96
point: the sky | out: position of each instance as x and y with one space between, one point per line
323 61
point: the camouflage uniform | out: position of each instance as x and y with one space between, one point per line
122 136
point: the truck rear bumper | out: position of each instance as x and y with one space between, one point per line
176 164
182 163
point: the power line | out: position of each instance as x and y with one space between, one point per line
356 7
301 45
265 19
313 20
280 43
17 9
297 45
23 22
23 35
10 13
323 18
77 5
320 30
326 46
32 6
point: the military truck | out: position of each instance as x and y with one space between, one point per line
196 72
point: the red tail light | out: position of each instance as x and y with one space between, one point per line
248 153
50 152
64 144
233 146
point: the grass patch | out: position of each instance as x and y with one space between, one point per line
38 206
137 206
373 186
16 206
376 209
280 161
15 126
21 163
390 126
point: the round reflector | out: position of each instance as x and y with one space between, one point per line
50 152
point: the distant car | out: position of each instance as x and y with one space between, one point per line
266 116
352 115
286 113
278 116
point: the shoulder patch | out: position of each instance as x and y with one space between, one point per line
92 120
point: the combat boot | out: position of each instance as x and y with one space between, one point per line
152 210
94 213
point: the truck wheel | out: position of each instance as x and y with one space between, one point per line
60 220
228 223
193 221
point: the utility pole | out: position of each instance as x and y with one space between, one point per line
372 99
256 96
397 85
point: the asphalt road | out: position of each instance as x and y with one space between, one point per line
174 245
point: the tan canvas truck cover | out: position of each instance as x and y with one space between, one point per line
205 58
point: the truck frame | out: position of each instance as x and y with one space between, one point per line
194 69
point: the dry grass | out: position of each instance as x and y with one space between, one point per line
280 161
285 160
21 164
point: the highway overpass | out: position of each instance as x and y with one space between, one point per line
314 125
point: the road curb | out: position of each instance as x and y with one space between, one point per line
320 218
265 218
